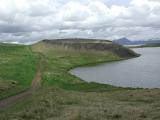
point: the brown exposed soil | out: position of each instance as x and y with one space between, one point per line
35 84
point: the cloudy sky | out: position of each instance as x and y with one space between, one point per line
32 20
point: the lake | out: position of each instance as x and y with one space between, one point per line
140 72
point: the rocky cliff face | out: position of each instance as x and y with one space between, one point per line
98 45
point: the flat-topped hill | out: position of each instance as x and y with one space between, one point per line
77 40
94 45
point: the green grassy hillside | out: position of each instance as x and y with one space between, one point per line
59 60
17 67
66 97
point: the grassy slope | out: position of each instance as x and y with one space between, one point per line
65 97
17 68
59 61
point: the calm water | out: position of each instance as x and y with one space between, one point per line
143 72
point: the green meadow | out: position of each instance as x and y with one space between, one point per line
18 65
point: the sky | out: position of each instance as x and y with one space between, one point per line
27 21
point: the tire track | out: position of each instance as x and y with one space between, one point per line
34 85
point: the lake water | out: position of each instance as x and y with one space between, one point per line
141 72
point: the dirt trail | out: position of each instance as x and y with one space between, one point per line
35 84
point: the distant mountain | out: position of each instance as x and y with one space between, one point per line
125 41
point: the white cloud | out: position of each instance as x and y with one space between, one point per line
29 20
74 11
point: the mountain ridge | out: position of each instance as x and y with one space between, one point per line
126 41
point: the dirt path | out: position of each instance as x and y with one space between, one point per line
35 84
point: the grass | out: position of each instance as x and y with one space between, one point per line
66 97
59 61
18 65
58 104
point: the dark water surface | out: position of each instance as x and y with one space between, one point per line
143 72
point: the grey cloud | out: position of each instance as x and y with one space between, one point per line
13 29
34 20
